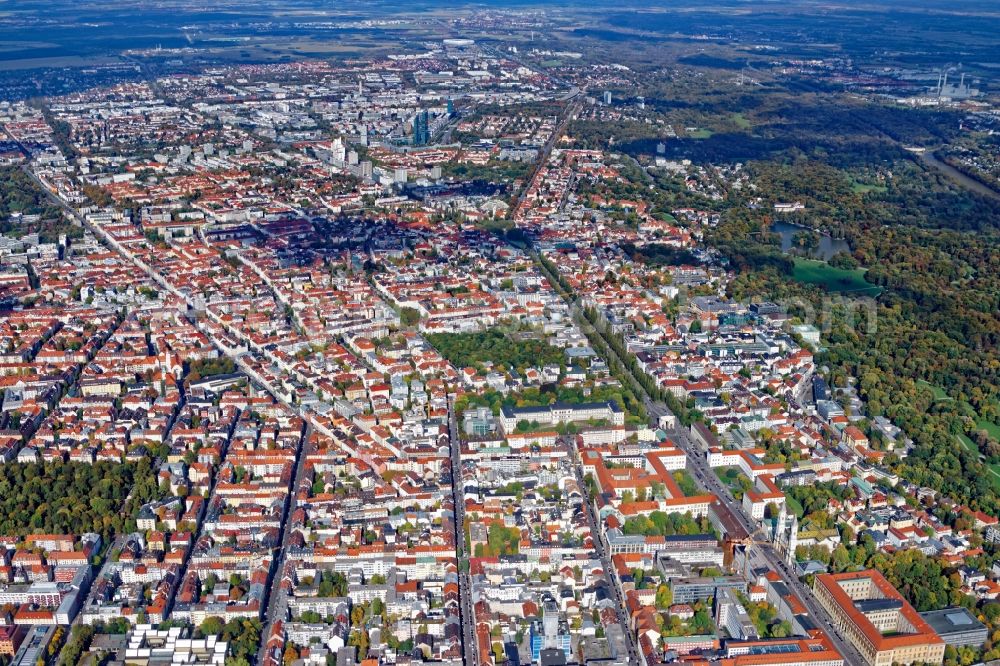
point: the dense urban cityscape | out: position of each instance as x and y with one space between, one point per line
501 336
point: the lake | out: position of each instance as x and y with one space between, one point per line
827 246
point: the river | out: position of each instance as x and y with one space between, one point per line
828 246
928 158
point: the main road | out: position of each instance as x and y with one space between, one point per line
467 614
698 463
762 553
277 602
277 599
572 108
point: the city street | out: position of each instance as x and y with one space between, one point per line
609 572
464 581
629 288
762 555
277 600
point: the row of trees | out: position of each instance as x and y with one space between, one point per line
938 319
611 346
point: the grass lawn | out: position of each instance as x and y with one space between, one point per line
812 271
794 506
700 133
992 428
971 446
741 121
864 188
726 474
939 393
968 443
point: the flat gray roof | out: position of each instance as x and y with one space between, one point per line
952 620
